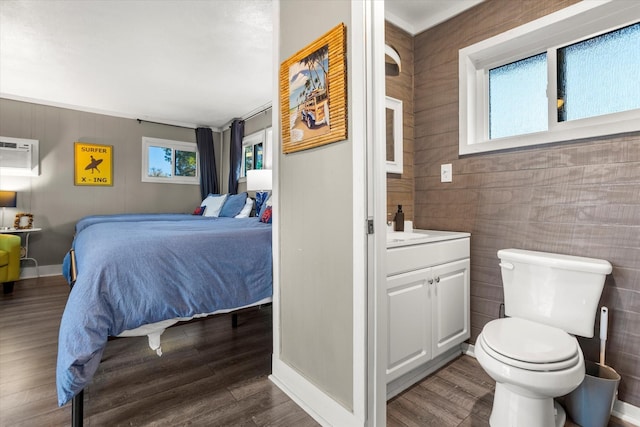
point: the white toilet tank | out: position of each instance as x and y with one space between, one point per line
556 290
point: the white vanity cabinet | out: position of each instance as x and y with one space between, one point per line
427 302
450 305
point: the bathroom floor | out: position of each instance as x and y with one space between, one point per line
458 395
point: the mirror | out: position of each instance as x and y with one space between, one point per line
392 64
394 135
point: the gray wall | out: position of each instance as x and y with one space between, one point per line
52 197
315 215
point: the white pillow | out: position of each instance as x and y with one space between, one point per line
246 210
213 204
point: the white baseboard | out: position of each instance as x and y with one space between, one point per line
311 399
468 349
623 410
626 412
32 272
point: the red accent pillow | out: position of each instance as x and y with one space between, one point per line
199 210
266 215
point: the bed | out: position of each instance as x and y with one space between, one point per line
136 274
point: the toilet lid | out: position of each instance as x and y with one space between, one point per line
530 342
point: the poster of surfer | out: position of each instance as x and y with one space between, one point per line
93 164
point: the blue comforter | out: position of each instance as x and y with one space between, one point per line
139 269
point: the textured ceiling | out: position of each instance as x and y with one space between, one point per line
184 62
181 62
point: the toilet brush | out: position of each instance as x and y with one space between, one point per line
604 325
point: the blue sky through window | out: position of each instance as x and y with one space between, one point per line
158 166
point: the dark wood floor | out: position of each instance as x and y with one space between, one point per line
209 375
460 394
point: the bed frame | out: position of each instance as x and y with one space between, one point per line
77 403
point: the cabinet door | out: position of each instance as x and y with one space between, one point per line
408 322
450 305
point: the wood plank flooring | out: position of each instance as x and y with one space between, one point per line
460 394
209 375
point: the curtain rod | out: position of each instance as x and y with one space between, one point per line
262 109
166 124
249 116
258 113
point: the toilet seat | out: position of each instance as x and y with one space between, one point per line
529 345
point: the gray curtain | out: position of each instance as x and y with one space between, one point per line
208 170
237 134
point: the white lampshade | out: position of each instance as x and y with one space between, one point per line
259 180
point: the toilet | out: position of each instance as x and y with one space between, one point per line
533 354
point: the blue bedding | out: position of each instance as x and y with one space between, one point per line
139 269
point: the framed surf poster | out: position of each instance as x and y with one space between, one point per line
313 93
93 164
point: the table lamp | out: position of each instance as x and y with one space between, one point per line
7 200
259 180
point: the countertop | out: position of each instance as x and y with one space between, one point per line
417 237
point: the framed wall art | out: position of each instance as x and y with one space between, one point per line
93 164
23 221
313 93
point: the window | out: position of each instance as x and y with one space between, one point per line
256 151
166 161
569 75
517 97
600 75
252 152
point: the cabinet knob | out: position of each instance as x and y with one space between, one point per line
438 279
430 281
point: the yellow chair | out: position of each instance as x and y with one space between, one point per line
9 261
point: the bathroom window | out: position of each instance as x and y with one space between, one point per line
599 75
569 75
169 162
517 97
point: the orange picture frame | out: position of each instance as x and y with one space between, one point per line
313 93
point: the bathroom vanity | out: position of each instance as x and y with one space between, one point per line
427 303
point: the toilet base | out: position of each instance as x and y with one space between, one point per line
511 409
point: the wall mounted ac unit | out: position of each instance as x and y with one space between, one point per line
19 156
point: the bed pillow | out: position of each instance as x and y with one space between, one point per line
246 210
233 205
266 215
199 210
265 211
264 207
213 204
